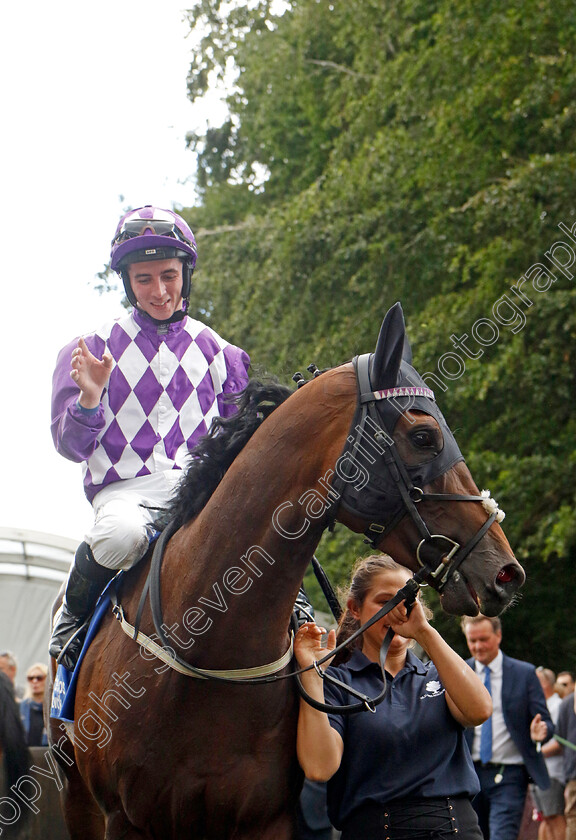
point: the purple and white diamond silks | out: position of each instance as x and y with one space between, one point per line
164 390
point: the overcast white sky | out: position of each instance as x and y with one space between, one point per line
94 107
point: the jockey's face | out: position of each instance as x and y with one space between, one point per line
157 286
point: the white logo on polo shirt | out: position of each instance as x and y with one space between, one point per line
434 688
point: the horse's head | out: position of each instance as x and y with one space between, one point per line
402 480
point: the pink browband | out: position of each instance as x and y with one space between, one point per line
410 391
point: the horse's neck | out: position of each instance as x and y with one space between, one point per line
240 563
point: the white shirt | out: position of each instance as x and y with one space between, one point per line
504 750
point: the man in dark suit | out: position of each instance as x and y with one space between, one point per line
506 748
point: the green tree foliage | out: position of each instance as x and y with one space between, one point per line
421 151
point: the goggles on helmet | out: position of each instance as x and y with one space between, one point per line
140 227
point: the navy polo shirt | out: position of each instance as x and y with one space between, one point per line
410 747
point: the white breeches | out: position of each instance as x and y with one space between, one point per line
124 513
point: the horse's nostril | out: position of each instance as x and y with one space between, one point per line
506 574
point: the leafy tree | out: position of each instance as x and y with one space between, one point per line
424 151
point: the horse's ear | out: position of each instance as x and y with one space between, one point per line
407 351
391 347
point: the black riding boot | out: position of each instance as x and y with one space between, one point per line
303 609
85 583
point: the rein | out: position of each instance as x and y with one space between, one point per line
263 673
407 594
446 555
165 652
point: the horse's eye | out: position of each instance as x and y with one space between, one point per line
424 439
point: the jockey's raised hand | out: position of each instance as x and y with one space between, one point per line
90 374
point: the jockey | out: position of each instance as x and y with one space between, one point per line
130 400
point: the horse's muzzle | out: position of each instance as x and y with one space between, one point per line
468 594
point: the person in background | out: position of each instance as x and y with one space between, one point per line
550 803
31 707
404 771
505 752
564 683
15 758
9 666
565 744
130 400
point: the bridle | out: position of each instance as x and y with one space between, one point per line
438 556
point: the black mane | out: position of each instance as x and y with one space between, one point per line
216 450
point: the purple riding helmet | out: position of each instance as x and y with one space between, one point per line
149 233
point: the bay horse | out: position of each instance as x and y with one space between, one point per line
159 753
